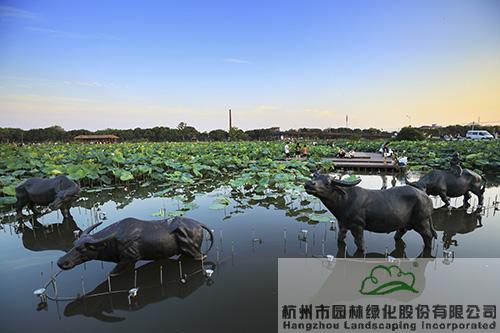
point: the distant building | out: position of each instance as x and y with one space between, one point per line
427 127
103 138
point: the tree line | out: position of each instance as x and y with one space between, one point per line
184 132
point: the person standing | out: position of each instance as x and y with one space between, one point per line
287 151
305 151
298 151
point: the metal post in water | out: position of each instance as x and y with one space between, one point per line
54 284
51 267
306 248
232 248
135 278
323 247
217 254
109 283
161 275
180 273
83 287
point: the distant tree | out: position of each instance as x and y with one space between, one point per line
218 135
236 134
181 126
410 133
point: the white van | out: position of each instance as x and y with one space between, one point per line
478 135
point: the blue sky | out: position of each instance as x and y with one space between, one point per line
126 64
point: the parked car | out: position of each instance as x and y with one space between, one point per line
479 135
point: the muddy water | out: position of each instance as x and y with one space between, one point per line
241 294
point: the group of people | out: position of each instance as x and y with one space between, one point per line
300 151
341 153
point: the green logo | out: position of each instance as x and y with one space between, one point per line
385 280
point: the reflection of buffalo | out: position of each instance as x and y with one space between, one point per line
398 252
150 289
455 221
346 275
57 236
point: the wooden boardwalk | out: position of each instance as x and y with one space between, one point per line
363 162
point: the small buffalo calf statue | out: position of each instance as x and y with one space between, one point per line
56 193
130 240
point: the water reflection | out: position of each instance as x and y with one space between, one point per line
454 221
56 236
153 288
399 251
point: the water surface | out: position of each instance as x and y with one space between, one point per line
242 293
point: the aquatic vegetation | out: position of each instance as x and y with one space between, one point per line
254 169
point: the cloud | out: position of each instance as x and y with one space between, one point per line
93 84
70 35
7 11
237 61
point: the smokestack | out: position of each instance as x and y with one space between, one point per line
230 120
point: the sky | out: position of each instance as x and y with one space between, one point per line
124 64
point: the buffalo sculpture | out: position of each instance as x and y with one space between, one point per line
56 193
357 209
130 240
446 185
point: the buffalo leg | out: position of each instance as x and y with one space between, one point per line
399 234
424 229
445 199
480 196
341 250
65 212
32 207
466 198
20 203
122 266
341 235
357 232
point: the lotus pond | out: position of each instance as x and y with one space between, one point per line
257 216
254 165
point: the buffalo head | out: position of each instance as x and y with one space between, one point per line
421 185
86 248
323 186
65 197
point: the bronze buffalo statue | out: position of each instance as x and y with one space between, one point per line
130 240
56 193
357 209
446 185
